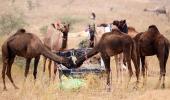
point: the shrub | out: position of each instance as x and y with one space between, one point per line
10 22
21 62
70 20
43 29
83 43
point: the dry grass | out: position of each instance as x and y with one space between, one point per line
50 11
43 89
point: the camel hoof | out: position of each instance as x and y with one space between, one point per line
108 88
16 87
163 86
5 89
136 87
157 86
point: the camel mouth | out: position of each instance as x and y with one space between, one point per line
70 64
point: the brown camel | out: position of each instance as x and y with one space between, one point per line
55 40
102 28
29 46
131 32
150 43
110 44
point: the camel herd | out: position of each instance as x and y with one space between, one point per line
123 40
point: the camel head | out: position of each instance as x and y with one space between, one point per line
64 28
92 29
68 62
116 23
121 25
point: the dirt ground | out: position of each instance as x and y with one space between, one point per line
43 12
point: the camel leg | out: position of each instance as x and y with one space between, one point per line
127 55
121 66
36 61
161 71
162 57
106 60
3 72
117 67
28 61
55 70
137 68
49 68
8 73
143 69
45 60
164 68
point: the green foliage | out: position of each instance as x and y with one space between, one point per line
70 20
83 43
10 22
43 29
21 62
30 4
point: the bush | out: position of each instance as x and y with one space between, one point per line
21 62
10 22
70 20
83 43
43 29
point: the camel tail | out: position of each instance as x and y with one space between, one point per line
47 53
166 54
135 53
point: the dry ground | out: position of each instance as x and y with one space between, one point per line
46 11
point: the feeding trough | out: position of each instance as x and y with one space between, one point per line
92 65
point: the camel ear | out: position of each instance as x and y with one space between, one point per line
124 21
68 25
53 25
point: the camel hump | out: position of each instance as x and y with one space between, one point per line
21 30
153 29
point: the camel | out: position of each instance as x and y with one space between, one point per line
102 28
55 40
111 44
29 46
159 10
152 42
131 32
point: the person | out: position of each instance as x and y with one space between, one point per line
93 16
91 35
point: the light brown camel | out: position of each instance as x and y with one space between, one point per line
29 46
152 42
55 40
111 44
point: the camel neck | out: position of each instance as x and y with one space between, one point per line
65 34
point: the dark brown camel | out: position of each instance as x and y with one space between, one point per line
120 67
130 31
29 46
55 40
150 43
110 44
